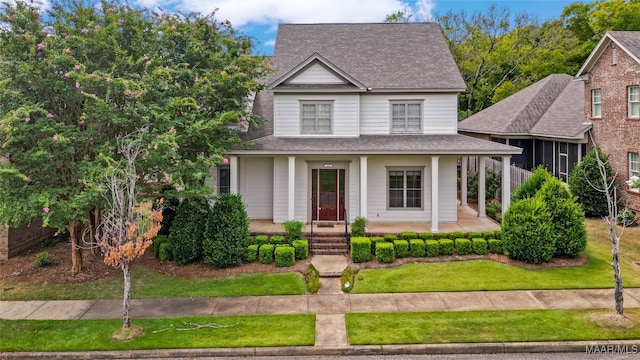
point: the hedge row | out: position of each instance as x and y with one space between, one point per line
285 255
362 248
409 235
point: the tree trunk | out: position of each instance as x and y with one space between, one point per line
76 249
94 221
126 298
615 262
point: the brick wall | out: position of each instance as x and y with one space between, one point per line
614 132
15 240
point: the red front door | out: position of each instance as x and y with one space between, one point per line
327 201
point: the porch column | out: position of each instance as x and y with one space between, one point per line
464 169
292 188
363 186
233 174
482 188
434 193
506 183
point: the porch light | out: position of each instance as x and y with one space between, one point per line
328 166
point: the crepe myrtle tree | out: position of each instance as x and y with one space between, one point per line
74 80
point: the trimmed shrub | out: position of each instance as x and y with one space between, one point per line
42 259
440 236
479 246
276 239
360 249
530 187
170 203
463 246
262 239
156 242
585 174
432 248
497 234
417 247
374 241
390 237
627 217
445 246
165 252
474 234
358 227
294 229
493 182
265 253
527 233
401 248
456 235
408 235
225 243
312 277
495 246
425 235
487 235
348 278
302 249
285 256
252 253
187 230
385 253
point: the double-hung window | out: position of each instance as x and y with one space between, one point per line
406 117
596 103
634 167
634 101
316 117
405 189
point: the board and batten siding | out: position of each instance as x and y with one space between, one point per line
286 113
316 74
256 186
440 113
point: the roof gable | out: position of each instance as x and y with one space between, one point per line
375 57
628 41
315 70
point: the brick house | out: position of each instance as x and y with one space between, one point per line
611 75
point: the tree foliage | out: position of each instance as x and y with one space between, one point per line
584 180
74 80
187 230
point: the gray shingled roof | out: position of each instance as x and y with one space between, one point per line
553 107
381 144
380 56
629 41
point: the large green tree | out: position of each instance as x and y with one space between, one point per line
82 74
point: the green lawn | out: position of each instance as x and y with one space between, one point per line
92 335
478 275
484 326
148 283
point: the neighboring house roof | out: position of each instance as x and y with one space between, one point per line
381 144
380 56
551 107
629 41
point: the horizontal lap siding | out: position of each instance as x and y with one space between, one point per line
287 114
256 186
316 74
439 113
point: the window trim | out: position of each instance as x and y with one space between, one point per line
406 130
404 170
636 102
316 103
594 103
635 172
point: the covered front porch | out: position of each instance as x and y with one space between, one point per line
468 220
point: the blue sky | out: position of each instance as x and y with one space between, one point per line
260 18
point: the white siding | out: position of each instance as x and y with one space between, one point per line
316 74
439 113
256 186
286 112
280 186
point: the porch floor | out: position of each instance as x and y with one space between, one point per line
468 220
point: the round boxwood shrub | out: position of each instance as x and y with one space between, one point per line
479 246
446 246
262 239
265 253
165 253
301 248
285 256
225 243
432 248
495 246
294 229
385 253
276 239
531 186
408 235
417 247
584 176
463 246
252 253
360 249
401 247
527 233
374 241
187 230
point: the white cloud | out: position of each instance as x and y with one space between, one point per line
241 12
424 9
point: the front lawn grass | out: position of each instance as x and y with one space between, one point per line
94 335
484 326
148 283
477 275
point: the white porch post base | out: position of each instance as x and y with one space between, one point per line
434 193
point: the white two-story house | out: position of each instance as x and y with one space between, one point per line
360 120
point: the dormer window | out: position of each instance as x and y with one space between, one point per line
316 117
406 117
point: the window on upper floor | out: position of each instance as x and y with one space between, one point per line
224 180
405 189
406 117
596 103
634 101
634 167
316 117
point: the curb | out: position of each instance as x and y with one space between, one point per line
620 347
